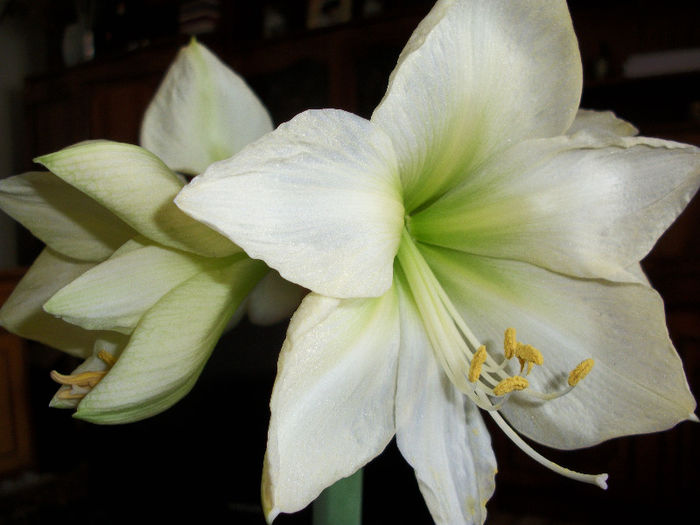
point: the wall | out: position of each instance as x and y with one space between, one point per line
20 55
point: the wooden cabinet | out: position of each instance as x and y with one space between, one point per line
347 67
15 436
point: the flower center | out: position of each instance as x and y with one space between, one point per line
77 386
468 364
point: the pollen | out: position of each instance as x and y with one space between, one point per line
510 345
475 366
85 380
581 371
509 384
108 358
528 354
67 393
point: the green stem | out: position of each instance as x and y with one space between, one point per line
341 503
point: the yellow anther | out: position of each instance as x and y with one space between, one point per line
84 379
528 354
580 371
475 366
510 384
108 358
510 344
67 393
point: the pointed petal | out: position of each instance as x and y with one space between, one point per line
601 123
440 432
571 204
65 219
115 294
170 346
333 400
201 113
22 314
274 300
137 187
318 199
474 78
637 384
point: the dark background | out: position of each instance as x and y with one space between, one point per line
201 460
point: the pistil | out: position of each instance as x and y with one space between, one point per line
468 364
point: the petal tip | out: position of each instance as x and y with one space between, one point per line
271 515
42 159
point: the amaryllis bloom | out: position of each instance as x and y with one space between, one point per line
475 245
127 280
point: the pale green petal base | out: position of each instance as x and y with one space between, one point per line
170 345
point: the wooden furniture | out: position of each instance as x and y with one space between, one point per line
347 67
15 437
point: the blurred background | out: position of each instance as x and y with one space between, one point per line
74 70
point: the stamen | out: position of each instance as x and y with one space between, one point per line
528 354
510 344
509 384
83 379
580 371
467 363
595 479
67 393
87 379
108 358
477 361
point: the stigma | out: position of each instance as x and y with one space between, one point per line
77 386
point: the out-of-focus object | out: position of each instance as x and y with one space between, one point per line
662 63
197 17
78 43
325 13
15 440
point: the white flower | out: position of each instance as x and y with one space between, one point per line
145 290
462 208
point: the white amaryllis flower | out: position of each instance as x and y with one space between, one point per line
474 202
137 287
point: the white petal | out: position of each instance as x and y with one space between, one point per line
274 300
114 294
22 312
474 78
571 204
333 401
637 384
201 113
318 199
170 346
137 187
440 432
65 219
601 123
